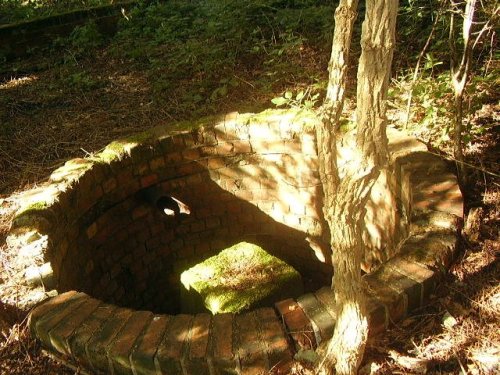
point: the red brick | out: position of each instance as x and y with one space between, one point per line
394 301
147 181
121 348
91 230
191 154
216 163
45 318
157 163
188 169
273 335
171 349
173 157
109 185
199 336
222 336
224 148
125 177
297 324
242 147
142 356
63 331
377 316
139 212
78 341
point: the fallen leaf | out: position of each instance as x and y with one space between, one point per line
416 365
449 321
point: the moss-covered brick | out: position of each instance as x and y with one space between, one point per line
58 312
207 284
60 335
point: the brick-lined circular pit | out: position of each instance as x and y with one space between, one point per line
95 237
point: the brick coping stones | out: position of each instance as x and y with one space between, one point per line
83 330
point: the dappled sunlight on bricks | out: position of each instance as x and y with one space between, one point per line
244 177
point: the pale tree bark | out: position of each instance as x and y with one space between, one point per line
345 16
346 206
459 77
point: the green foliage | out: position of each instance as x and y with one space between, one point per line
82 41
432 103
21 10
197 52
303 99
82 81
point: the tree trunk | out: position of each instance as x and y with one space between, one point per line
345 15
459 78
344 209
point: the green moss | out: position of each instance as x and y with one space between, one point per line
238 278
32 208
118 149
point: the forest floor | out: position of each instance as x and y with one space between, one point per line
49 115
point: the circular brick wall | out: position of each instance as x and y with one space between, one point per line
253 179
97 227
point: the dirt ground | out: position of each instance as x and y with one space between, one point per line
44 122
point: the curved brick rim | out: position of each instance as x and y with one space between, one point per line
85 331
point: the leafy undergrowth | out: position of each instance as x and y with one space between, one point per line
12 11
175 61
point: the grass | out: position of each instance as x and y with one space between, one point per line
12 11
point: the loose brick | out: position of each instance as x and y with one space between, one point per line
322 322
297 323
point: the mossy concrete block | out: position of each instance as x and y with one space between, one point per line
238 278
